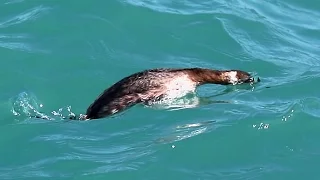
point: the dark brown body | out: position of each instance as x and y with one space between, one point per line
154 84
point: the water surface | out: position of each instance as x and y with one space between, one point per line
58 56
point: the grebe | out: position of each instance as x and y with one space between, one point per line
155 84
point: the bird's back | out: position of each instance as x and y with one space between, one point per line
143 86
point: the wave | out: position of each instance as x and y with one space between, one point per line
19 41
271 35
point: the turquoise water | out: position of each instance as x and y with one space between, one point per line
58 56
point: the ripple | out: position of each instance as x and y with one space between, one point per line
268 31
186 131
290 14
311 106
255 171
9 41
116 157
28 15
284 40
285 111
278 45
65 137
291 110
187 7
16 46
14 1
277 40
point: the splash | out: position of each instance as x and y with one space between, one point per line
26 105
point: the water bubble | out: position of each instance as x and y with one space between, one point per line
261 126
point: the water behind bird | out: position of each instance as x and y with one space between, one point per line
27 105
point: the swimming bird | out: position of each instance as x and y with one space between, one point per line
155 84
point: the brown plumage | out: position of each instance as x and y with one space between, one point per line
155 84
